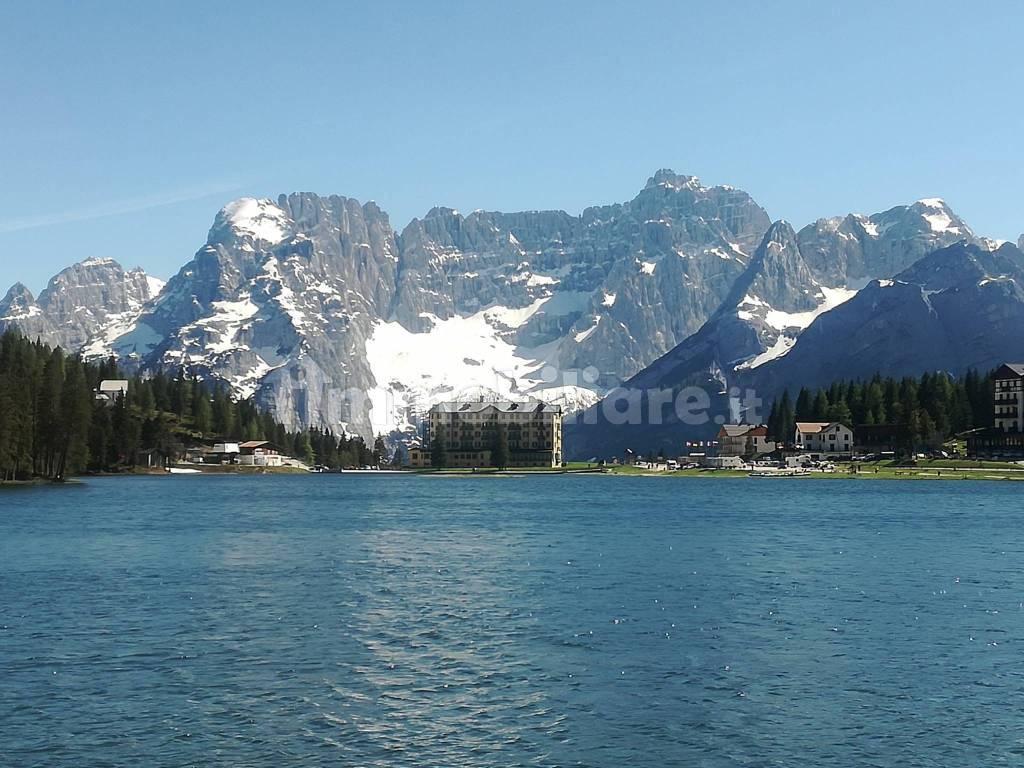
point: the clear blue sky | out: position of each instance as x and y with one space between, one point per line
125 126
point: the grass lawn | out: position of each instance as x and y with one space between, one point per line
944 469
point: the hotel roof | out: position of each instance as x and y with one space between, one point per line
1017 368
503 406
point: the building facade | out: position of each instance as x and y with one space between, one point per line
1008 398
1004 440
823 437
744 440
260 453
468 431
112 390
880 438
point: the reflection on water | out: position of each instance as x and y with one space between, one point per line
552 621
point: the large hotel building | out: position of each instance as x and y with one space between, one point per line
534 432
1005 440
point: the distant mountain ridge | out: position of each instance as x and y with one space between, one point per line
957 308
325 314
80 302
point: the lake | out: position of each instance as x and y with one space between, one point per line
344 620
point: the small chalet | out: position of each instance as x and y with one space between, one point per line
419 457
222 453
823 437
112 390
259 453
744 440
151 458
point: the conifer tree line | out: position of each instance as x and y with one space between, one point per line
930 408
52 425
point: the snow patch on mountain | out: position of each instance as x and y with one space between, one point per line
156 286
787 324
584 334
781 346
260 219
830 298
124 337
938 216
465 357
227 321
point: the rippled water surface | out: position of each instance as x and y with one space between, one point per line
599 621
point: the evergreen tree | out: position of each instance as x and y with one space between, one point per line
439 451
304 448
819 411
224 423
804 410
48 414
773 422
100 437
144 397
787 420
380 451
52 425
8 443
840 412
499 447
202 412
930 408
75 416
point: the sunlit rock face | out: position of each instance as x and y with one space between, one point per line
325 314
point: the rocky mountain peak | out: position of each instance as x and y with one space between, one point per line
79 302
19 291
940 218
781 233
18 303
777 275
668 178
965 264
853 249
258 221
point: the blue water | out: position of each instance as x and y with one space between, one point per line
555 621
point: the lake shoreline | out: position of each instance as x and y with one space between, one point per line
889 472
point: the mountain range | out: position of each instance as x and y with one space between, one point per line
326 315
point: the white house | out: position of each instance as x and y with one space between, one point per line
112 389
823 437
260 453
222 453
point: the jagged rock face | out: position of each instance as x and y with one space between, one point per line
767 306
307 302
80 302
854 249
634 278
453 264
676 250
280 302
316 307
20 310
